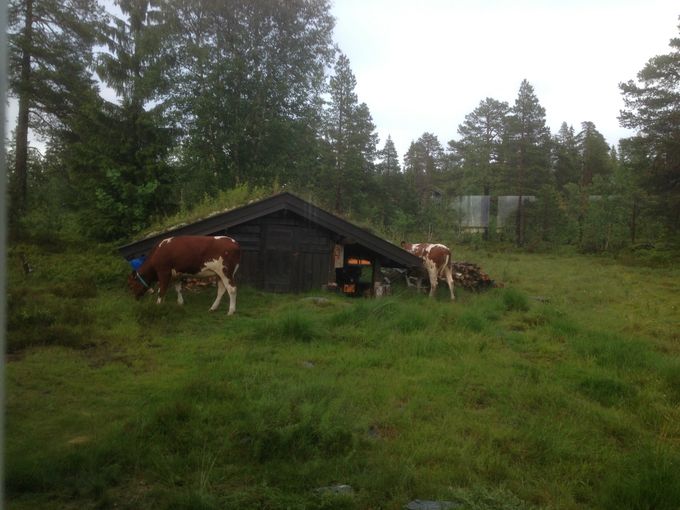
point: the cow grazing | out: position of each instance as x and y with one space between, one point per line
436 261
198 256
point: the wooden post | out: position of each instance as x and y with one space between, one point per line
376 279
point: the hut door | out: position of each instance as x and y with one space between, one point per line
279 258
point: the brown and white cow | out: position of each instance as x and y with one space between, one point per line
199 256
436 261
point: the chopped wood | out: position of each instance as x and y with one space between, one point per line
465 274
193 284
471 276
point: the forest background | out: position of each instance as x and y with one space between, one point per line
247 98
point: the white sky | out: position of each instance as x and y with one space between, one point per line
423 65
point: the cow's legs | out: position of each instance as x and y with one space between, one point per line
178 288
220 293
449 280
231 289
432 273
163 282
433 286
225 283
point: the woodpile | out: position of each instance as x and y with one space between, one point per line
194 284
465 274
471 276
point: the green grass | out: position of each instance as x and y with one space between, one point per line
560 390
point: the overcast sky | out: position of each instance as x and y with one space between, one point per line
423 65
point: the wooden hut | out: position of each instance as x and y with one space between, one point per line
291 245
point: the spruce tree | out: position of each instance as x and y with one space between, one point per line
350 133
565 157
389 159
424 166
247 90
594 154
527 151
135 182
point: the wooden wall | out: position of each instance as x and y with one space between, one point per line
282 252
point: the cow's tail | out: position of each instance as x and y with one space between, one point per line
446 264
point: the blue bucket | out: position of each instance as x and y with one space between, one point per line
137 263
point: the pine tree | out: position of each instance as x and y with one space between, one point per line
480 147
50 59
651 108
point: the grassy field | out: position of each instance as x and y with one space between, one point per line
560 390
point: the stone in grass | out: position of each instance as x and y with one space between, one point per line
420 504
335 490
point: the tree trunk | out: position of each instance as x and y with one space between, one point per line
486 192
20 188
633 223
519 224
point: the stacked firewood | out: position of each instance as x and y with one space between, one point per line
465 274
471 276
191 283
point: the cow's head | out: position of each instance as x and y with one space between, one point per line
406 246
137 285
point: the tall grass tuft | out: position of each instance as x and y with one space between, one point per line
671 375
613 350
606 391
645 479
515 300
473 320
42 319
288 325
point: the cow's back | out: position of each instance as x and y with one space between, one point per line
188 254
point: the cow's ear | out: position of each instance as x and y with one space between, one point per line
403 243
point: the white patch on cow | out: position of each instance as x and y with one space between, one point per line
232 299
178 289
216 266
165 241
